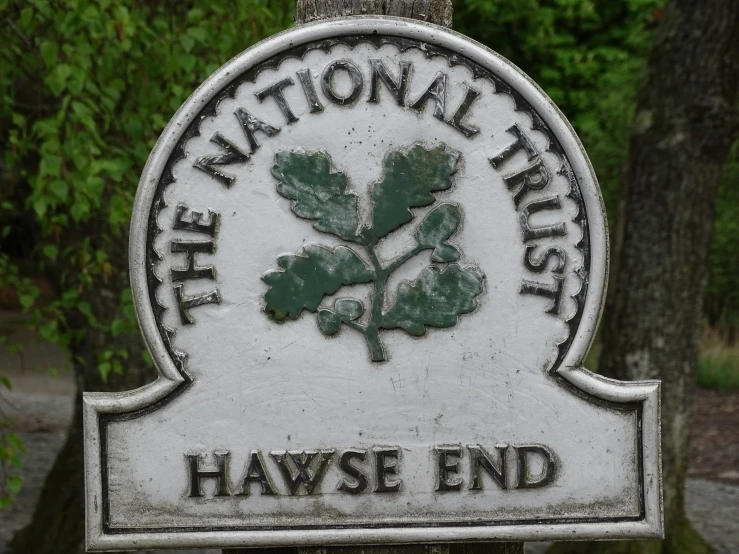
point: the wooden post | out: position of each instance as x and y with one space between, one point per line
440 13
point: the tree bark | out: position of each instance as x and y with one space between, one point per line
685 124
432 11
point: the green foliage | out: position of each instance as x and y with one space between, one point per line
722 293
306 278
436 299
436 228
409 180
719 368
317 192
345 310
587 55
11 448
86 87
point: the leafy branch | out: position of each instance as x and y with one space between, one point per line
410 179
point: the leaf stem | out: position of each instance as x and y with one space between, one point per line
377 350
400 260
372 329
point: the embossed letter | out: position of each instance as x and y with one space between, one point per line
195 224
256 473
525 179
383 468
548 472
185 303
447 466
220 473
397 88
540 264
251 124
345 463
302 462
532 233
275 91
191 271
310 91
522 141
480 459
553 292
436 91
327 82
232 156
464 107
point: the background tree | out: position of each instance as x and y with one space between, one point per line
685 125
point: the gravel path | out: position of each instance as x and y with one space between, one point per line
40 409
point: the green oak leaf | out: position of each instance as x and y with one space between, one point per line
308 276
317 192
435 299
409 181
438 225
345 309
328 321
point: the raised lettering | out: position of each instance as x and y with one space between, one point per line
538 265
525 178
525 479
398 88
481 459
447 466
436 91
195 224
185 303
256 473
276 92
464 107
522 141
310 91
360 479
197 474
532 233
191 271
386 463
251 124
553 292
327 82
302 474
232 156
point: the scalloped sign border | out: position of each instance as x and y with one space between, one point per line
642 397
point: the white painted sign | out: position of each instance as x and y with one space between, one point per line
368 258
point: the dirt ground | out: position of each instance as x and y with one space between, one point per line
40 409
714 443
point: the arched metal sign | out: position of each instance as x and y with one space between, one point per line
368 258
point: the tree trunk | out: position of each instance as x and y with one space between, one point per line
432 11
685 124
58 524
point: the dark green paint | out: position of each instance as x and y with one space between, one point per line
436 228
317 192
434 300
309 276
345 310
410 178
409 181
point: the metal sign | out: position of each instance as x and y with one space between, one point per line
368 258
